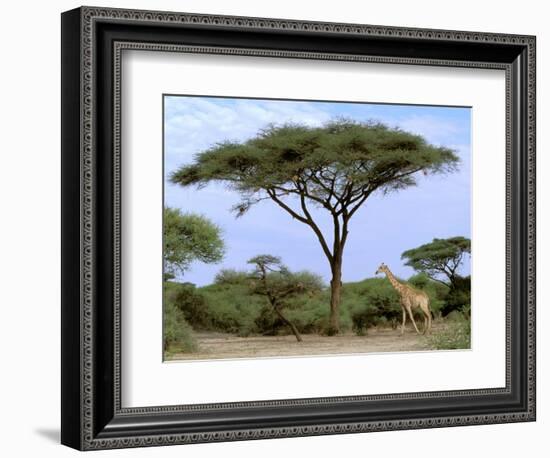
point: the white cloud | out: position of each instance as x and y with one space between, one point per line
187 120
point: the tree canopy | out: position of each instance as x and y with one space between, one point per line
441 257
189 237
336 167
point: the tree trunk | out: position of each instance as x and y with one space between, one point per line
295 331
335 297
289 324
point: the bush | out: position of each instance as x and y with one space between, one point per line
268 323
231 308
459 296
185 297
232 277
310 312
234 305
371 302
230 305
374 301
307 309
455 335
364 319
178 335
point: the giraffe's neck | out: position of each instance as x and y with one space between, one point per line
398 286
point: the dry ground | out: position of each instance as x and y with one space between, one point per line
213 345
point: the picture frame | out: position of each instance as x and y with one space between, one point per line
93 416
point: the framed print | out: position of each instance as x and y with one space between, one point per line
266 223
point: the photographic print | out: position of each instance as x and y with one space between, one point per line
326 196
303 228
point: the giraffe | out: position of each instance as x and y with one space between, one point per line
411 298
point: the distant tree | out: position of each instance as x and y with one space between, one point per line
189 237
231 277
335 167
439 259
274 281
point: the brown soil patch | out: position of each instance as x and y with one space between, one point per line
214 345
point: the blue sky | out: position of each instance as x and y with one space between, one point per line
384 227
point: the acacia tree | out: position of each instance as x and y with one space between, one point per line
441 257
274 281
189 237
335 167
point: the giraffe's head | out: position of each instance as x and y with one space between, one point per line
382 269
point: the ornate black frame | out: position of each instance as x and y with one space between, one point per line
92 42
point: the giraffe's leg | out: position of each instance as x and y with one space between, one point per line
412 319
403 320
427 320
427 316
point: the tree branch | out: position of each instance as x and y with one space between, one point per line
361 201
298 193
438 280
336 244
306 220
315 228
448 271
344 230
279 202
411 172
332 182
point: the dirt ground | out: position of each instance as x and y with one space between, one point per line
214 345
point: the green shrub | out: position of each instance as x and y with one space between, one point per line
178 335
231 308
268 323
455 334
364 319
230 305
232 277
310 312
374 301
466 311
225 307
233 305
185 297
459 296
371 302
